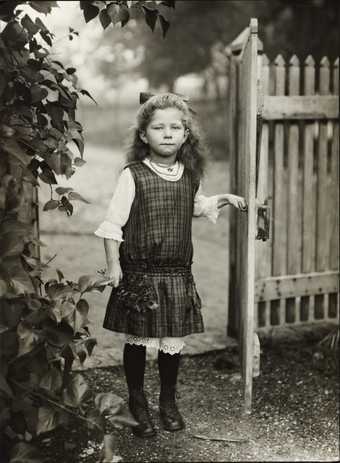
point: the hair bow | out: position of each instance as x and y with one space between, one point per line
145 96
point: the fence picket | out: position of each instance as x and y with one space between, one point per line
333 251
263 249
309 199
280 204
322 230
294 203
334 182
336 77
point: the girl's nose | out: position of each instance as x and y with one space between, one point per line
167 133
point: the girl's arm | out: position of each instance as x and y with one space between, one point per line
233 200
111 228
208 206
114 271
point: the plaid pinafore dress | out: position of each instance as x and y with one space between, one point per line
157 296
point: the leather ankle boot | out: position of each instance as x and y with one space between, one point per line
169 413
139 408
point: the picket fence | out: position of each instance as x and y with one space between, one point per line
297 170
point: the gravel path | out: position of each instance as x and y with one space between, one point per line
294 417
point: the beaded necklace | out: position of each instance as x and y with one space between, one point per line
171 172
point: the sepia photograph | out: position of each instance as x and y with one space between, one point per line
169 231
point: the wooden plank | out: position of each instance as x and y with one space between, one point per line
336 77
267 313
300 107
248 112
309 199
323 228
334 200
298 285
279 264
334 182
294 195
232 312
263 248
297 310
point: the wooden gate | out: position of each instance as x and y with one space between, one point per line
297 194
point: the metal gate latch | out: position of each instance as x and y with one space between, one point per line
263 222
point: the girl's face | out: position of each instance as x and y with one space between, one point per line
165 134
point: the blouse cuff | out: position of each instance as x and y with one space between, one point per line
109 230
212 212
207 206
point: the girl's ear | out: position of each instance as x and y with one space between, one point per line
142 136
186 134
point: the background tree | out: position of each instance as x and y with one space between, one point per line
200 24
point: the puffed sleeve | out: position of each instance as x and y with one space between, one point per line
119 208
206 206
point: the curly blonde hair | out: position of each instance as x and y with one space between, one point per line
191 153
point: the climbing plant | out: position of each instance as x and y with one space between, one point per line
43 322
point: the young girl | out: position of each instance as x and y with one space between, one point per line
148 246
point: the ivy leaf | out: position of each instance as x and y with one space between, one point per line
164 24
47 420
150 17
73 196
71 71
57 335
113 12
46 36
47 174
108 402
85 92
95 420
124 14
83 310
85 282
25 453
52 380
79 162
67 205
90 343
41 25
13 148
90 11
26 337
104 18
50 205
56 113
14 35
169 3
60 274
29 25
75 391
80 145
62 190
43 7
125 419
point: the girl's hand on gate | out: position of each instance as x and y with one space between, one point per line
114 273
238 202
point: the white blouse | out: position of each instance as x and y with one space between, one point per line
120 205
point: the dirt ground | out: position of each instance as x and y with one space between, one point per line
295 415
295 399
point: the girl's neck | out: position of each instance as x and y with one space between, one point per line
166 161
